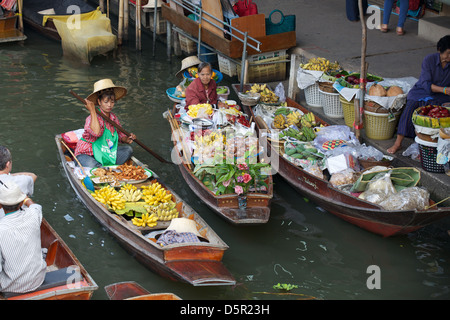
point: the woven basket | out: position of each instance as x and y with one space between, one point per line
331 104
428 153
327 87
312 96
372 106
348 107
377 125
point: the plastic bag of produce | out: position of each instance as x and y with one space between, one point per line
413 198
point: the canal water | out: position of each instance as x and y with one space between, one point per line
302 245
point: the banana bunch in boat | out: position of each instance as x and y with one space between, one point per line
110 197
267 95
308 120
293 118
131 195
146 220
319 64
201 108
164 211
155 193
303 134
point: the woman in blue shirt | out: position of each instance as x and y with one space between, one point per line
432 88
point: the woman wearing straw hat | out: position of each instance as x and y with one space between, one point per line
99 145
22 266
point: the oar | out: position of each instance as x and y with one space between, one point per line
87 180
122 130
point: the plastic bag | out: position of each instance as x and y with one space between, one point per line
344 177
368 153
279 91
180 90
413 198
379 188
412 151
335 132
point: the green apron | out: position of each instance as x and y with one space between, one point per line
105 148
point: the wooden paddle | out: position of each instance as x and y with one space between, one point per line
122 130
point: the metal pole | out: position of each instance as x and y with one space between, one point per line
155 15
169 40
138 24
244 63
126 19
200 17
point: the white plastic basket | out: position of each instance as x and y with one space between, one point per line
226 66
312 96
331 104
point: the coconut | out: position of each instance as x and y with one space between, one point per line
377 90
394 91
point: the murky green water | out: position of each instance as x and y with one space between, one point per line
302 245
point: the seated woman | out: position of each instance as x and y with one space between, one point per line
430 89
203 89
99 143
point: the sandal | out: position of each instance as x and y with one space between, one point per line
400 31
384 28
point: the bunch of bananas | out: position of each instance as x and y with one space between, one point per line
308 120
293 118
146 220
164 211
267 95
279 122
155 193
109 196
201 108
209 139
319 64
131 195
293 133
308 134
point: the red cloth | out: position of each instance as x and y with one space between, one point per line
84 147
8 4
196 93
245 8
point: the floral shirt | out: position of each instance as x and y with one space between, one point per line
85 147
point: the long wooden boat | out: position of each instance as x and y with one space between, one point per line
130 290
256 210
8 29
196 263
66 278
362 213
82 29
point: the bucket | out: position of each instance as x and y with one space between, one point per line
378 126
428 153
348 107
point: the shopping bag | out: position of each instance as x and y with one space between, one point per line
286 23
245 8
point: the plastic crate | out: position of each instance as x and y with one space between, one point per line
267 55
161 24
331 104
226 66
187 45
266 70
312 96
428 153
378 126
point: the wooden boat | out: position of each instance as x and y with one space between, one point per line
130 290
8 29
227 206
66 278
364 214
196 263
82 29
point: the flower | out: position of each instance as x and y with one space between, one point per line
238 190
226 183
247 177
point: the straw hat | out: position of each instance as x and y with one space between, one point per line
10 194
188 62
103 84
184 225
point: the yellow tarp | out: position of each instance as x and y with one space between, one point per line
85 35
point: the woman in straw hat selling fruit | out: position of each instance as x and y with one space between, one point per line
99 145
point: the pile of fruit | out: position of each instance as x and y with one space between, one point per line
353 80
145 205
193 72
303 151
432 116
267 95
201 109
320 64
295 125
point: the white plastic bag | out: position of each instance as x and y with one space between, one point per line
279 91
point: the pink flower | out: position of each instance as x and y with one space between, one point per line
226 183
242 166
247 178
238 190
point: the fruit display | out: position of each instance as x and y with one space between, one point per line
110 197
146 220
353 80
380 91
163 211
432 116
267 95
200 110
131 195
303 134
320 64
155 193
222 90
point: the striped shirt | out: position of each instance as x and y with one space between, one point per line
84 147
22 267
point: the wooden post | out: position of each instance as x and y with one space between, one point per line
362 77
107 8
20 5
138 24
126 19
101 4
120 23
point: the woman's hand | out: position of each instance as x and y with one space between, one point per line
90 106
129 139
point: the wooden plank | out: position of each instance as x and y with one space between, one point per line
255 25
214 8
